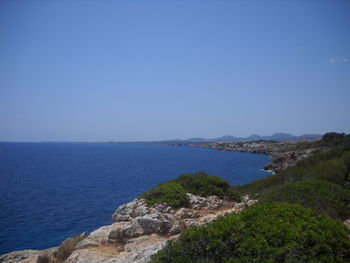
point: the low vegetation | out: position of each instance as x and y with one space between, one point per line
68 246
202 184
296 219
270 232
336 139
174 192
43 259
324 197
170 192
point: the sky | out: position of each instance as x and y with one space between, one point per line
152 70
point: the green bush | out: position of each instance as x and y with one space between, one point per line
200 183
271 232
336 139
346 163
255 188
331 170
233 195
170 192
333 136
326 198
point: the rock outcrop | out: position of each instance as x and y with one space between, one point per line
138 232
30 256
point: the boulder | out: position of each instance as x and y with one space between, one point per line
186 213
31 256
214 202
240 206
251 202
176 228
23 256
155 223
131 210
139 208
101 235
196 202
124 231
87 256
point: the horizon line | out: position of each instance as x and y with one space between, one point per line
154 140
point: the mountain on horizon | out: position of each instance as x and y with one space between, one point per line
281 137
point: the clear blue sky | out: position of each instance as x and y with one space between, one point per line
146 70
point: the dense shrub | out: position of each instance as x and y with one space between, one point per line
331 170
346 162
255 188
333 136
326 198
336 139
232 194
170 192
200 183
271 232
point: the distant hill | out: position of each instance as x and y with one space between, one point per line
229 138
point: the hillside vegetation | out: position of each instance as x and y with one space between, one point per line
274 232
296 219
320 182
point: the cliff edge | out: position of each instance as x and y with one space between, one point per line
138 231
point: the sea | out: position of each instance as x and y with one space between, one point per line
50 191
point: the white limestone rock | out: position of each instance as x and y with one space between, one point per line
23 256
196 202
87 256
29 256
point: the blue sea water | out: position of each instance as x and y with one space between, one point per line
50 191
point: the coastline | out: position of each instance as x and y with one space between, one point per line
282 154
151 164
42 250
138 231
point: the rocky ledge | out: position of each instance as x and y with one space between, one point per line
282 154
139 231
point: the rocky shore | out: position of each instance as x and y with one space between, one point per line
138 232
282 154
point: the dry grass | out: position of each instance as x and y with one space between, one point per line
67 247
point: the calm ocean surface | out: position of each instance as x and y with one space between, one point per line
50 191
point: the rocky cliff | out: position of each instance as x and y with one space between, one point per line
282 154
138 232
